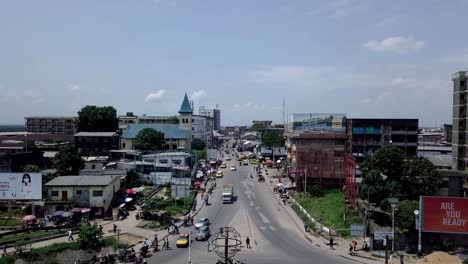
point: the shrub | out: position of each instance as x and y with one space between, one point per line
88 238
7 260
315 191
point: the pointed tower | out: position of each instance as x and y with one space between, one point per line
185 119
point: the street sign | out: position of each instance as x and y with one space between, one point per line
357 230
381 234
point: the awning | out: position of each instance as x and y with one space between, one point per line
76 210
85 210
58 213
29 218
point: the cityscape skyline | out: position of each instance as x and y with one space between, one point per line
385 60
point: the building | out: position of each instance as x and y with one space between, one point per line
96 143
215 114
185 120
94 192
144 119
176 138
315 148
367 135
95 162
202 128
127 119
168 167
60 125
448 133
459 121
262 123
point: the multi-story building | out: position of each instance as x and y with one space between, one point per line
60 125
459 122
367 135
215 114
175 137
202 128
315 148
96 143
127 119
144 119
262 123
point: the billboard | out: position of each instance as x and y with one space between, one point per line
20 186
445 215
319 122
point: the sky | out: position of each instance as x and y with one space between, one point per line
364 58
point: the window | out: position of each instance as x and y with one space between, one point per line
123 145
55 193
92 167
78 192
97 193
462 83
193 128
163 161
176 162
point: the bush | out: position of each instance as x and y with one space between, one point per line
112 242
465 261
315 191
7 260
88 238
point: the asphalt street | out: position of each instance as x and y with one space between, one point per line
275 237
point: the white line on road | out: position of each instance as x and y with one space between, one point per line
272 228
264 218
251 203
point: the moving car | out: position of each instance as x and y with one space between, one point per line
202 222
183 241
223 165
233 168
228 157
219 174
254 162
203 233
245 162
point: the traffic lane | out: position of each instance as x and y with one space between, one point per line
282 231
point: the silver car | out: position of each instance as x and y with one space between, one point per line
203 233
202 222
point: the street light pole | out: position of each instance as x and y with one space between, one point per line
190 248
393 227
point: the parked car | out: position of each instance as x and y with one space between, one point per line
245 162
183 241
233 168
202 222
223 165
203 233
219 174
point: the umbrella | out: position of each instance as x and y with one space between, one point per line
67 214
75 210
280 184
85 210
122 205
197 183
129 191
269 161
127 200
29 218
58 213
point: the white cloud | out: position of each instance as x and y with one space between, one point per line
198 95
73 87
155 96
398 44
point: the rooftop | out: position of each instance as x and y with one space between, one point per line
97 180
167 154
95 134
185 108
51 117
440 160
171 131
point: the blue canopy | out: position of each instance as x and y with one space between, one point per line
58 213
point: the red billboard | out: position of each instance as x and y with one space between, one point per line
445 215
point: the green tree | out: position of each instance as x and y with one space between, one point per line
272 139
97 119
149 139
404 216
390 161
420 178
88 238
257 127
31 168
198 144
68 161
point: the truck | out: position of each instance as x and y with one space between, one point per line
228 192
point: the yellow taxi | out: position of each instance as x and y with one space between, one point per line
219 174
254 162
183 241
223 165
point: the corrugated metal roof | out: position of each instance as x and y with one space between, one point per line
101 180
95 134
171 131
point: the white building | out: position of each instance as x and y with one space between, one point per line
202 128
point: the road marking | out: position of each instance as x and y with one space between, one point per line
272 228
264 218
263 228
251 203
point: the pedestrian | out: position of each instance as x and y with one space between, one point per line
354 243
167 243
208 245
247 242
115 228
70 235
402 259
284 201
100 230
350 249
331 243
306 228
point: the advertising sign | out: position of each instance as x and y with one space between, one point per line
445 215
20 186
319 122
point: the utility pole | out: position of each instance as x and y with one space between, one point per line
226 243
190 248
386 249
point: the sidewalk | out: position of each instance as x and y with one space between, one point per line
341 246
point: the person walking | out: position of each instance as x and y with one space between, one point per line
70 235
306 228
402 259
331 243
100 230
167 243
208 245
114 228
247 242
350 249
163 246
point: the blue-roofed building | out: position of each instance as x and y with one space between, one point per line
176 138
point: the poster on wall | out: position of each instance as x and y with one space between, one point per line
20 186
445 215
319 122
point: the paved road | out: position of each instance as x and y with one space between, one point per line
275 236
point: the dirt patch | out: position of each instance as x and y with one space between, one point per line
130 239
440 257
